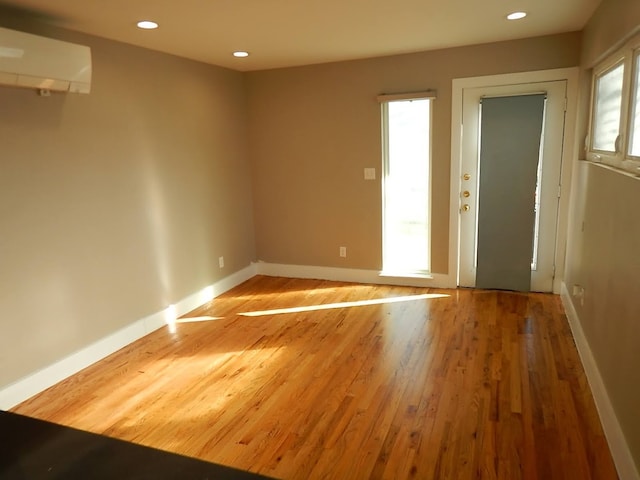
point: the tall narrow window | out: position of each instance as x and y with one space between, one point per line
406 186
607 109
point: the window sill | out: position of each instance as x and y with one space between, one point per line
405 275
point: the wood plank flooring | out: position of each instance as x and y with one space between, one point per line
368 382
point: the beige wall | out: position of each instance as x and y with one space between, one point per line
116 204
611 23
313 130
604 235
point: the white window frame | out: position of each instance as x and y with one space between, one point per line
634 94
620 159
385 100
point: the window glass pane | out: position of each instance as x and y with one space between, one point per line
406 187
634 133
608 102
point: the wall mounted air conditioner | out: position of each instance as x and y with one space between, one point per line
43 63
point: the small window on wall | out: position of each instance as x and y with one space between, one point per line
615 110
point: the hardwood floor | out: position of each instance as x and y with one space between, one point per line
378 382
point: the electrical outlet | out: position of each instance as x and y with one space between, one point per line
221 262
578 292
343 251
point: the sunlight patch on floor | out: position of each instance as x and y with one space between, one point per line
358 303
170 315
204 318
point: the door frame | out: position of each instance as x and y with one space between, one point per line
552 137
569 150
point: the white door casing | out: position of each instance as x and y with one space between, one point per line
559 84
553 132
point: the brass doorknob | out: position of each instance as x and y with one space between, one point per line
466 207
466 194
466 176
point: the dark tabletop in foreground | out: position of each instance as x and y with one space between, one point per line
32 449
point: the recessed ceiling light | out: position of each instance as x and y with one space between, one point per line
516 15
147 25
240 54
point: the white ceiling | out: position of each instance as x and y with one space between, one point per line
281 33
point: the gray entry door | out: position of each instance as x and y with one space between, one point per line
511 129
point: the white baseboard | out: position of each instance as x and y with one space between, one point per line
35 383
435 280
615 437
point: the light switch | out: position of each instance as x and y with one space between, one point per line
369 173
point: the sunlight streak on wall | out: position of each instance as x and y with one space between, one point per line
170 318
